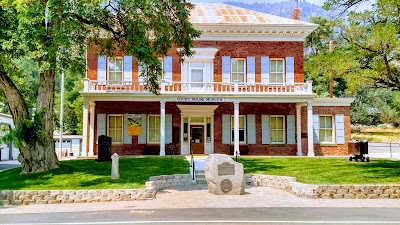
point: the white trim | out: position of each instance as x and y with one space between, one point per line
203 54
122 128
333 129
148 128
283 127
332 101
245 128
201 110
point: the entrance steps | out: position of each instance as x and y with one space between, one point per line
200 177
199 163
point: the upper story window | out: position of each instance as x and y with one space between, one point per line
115 69
276 71
326 129
238 70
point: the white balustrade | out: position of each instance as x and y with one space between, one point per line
199 87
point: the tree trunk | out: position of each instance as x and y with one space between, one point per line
40 157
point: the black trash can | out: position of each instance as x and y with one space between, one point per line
364 147
104 148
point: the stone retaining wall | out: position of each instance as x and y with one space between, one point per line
81 196
289 184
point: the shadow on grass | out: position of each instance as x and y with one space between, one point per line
89 174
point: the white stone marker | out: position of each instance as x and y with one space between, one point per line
115 166
223 175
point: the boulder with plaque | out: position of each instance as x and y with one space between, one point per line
223 175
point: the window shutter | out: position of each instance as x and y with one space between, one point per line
226 129
291 129
226 69
251 129
102 68
265 70
251 70
339 118
128 68
168 69
142 137
127 138
266 135
101 125
315 125
168 128
290 70
140 69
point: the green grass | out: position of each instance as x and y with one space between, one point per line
89 174
326 170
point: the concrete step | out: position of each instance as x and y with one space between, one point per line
201 180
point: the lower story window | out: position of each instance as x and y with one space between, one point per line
154 129
326 129
242 129
115 128
277 129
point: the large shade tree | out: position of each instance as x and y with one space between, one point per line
38 29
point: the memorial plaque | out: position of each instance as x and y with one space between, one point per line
226 169
226 185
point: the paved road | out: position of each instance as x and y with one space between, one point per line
4 165
214 216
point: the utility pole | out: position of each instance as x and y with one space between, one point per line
330 72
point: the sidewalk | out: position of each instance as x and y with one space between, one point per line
197 196
8 164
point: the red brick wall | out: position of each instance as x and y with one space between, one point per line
234 49
320 150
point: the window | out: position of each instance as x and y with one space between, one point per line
326 129
277 129
115 128
276 71
242 129
115 69
154 129
238 70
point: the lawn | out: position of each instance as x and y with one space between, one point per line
326 170
89 174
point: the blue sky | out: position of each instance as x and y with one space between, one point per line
317 2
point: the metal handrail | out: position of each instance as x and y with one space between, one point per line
192 164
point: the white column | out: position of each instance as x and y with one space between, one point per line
85 127
162 128
310 129
298 129
236 127
91 128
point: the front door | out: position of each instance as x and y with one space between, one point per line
197 140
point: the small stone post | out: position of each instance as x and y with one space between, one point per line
115 166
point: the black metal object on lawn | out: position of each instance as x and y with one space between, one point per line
104 148
359 151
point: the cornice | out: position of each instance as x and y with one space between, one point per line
332 101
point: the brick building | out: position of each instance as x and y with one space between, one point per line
243 90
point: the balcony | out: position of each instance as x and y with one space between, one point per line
95 86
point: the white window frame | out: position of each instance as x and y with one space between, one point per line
333 129
244 69
233 127
275 72
108 67
202 68
148 128
276 129
122 128
162 68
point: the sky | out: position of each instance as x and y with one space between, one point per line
363 6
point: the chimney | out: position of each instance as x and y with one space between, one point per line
296 11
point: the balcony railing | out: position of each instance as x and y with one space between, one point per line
198 87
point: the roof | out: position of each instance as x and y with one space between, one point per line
218 13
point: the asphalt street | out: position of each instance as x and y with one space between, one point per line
276 215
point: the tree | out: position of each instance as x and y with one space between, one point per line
38 29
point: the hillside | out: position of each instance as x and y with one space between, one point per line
283 9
